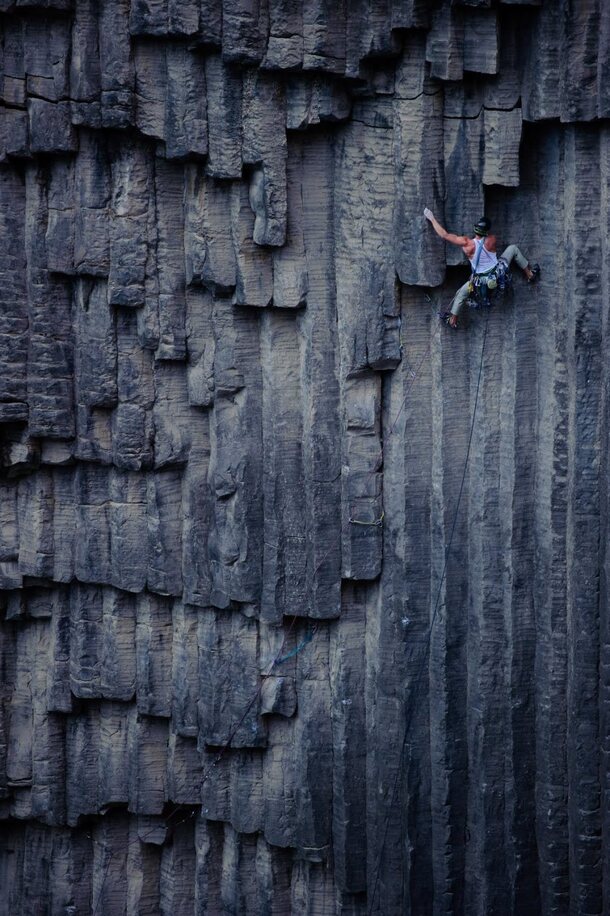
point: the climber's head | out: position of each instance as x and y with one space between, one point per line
482 227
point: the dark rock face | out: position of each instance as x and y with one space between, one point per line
233 433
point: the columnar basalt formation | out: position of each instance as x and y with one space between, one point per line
304 597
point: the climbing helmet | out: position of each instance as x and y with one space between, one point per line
483 226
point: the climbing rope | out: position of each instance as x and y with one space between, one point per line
418 680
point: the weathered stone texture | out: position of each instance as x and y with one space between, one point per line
262 649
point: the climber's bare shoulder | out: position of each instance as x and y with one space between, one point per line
468 246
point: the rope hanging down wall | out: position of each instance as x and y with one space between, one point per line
418 679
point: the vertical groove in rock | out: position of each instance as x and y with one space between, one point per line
320 381
604 537
448 600
583 530
550 582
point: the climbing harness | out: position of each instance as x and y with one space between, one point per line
484 287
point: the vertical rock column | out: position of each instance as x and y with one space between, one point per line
584 327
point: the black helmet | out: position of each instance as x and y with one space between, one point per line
483 226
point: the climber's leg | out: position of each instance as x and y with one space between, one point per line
513 253
460 298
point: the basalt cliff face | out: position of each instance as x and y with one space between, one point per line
304 595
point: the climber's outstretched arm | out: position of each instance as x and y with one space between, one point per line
460 240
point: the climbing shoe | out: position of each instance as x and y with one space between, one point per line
535 269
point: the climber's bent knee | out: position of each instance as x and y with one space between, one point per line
513 253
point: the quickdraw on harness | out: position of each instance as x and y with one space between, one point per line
480 285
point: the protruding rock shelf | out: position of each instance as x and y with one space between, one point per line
233 431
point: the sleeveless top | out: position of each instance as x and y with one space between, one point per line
487 259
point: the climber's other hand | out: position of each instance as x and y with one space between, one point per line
428 214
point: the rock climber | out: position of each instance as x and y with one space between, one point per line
481 252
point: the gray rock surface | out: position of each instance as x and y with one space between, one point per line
262 650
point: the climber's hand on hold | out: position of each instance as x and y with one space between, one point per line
428 214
